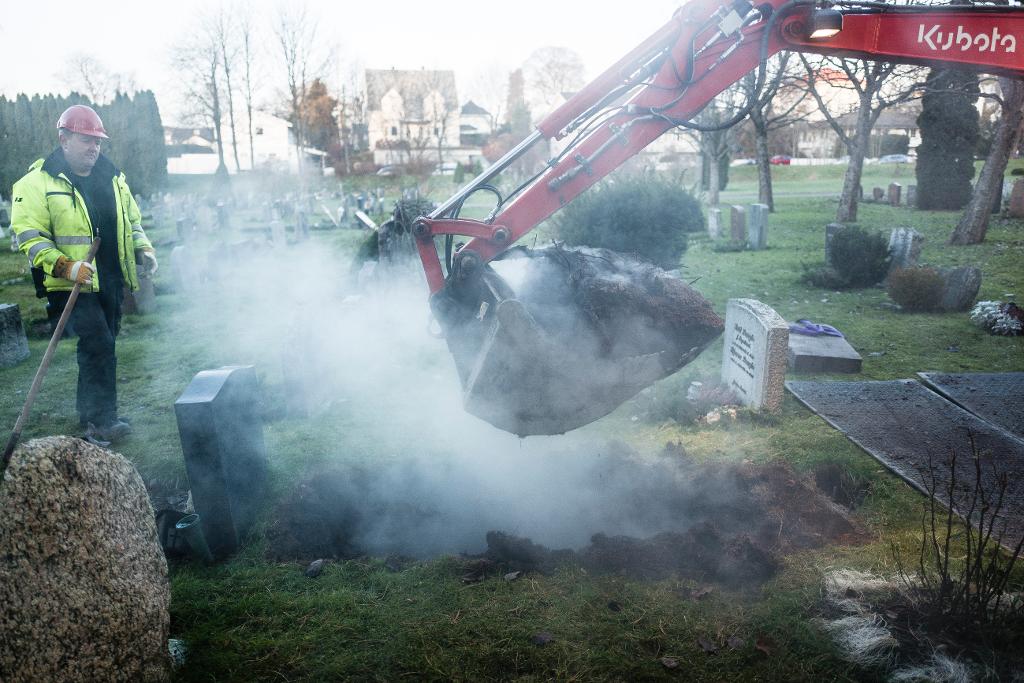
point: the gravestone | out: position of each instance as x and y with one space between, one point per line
13 342
895 190
142 300
182 230
364 221
221 432
904 248
5 218
738 224
877 194
84 591
912 196
1017 199
223 217
757 226
301 225
755 353
205 219
860 190
186 267
341 216
714 223
277 234
831 230
822 354
960 288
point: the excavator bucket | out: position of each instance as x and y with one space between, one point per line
548 340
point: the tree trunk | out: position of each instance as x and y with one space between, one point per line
231 108
847 211
218 136
713 162
974 223
764 168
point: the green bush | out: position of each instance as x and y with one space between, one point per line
916 289
860 258
643 215
894 144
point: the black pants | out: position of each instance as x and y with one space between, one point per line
96 319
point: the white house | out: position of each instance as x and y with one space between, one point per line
193 150
413 118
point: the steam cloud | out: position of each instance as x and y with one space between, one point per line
438 478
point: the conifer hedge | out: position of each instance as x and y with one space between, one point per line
28 131
949 137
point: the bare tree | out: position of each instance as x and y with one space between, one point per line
246 41
223 33
86 74
296 32
877 86
974 222
196 58
779 105
550 72
489 89
716 145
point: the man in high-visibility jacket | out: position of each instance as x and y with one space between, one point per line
58 208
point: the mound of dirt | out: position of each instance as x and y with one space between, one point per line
725 523
623 307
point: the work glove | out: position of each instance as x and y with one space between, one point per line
79 272
147 259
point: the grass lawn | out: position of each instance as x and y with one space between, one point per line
253 619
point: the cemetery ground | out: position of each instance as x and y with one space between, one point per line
251 618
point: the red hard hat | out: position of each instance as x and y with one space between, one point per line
79 118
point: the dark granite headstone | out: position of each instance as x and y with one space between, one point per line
877 194
738 224
221 432
960 288
5 218
757 227
895 190
13 343
1017 199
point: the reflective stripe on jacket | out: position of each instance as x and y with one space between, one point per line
50 219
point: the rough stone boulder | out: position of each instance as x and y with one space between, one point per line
84 592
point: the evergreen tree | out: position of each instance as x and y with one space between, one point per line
28 131
949 136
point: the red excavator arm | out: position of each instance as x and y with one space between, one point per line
662 84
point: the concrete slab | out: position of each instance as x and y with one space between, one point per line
996 397
913 430
822 354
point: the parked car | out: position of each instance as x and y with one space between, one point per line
743 162
447 168
387 170
780 160
895 159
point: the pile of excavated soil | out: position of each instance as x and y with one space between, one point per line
621 306
732 523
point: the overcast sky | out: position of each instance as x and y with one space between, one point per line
476 39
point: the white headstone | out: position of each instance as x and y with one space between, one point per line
905 247
755 354
277 234
714 223
757 226
187 270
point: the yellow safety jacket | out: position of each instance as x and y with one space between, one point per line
50 219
